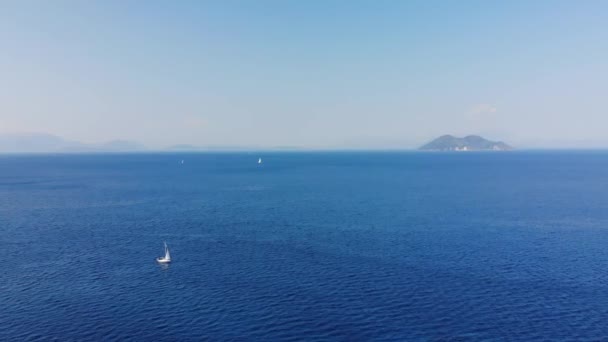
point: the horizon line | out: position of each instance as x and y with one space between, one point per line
307 150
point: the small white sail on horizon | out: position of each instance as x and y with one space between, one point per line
165 259
260 161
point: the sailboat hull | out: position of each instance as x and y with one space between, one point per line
163 260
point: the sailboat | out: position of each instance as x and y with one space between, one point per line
165 259
260 161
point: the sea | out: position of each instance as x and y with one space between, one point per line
307 246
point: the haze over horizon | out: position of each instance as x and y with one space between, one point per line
315 74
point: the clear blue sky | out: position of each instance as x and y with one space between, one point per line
319 74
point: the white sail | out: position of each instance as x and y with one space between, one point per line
166 258
260 161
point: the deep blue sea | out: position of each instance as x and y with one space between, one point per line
307 246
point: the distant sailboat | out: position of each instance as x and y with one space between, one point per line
167 258
260 161
182 161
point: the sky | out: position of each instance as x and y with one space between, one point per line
308 74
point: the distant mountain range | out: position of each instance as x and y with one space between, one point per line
48 143
468 143
195 148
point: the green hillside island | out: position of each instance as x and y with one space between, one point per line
468 143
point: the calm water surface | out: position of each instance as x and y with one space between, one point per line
307 246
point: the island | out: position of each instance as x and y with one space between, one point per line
468 143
